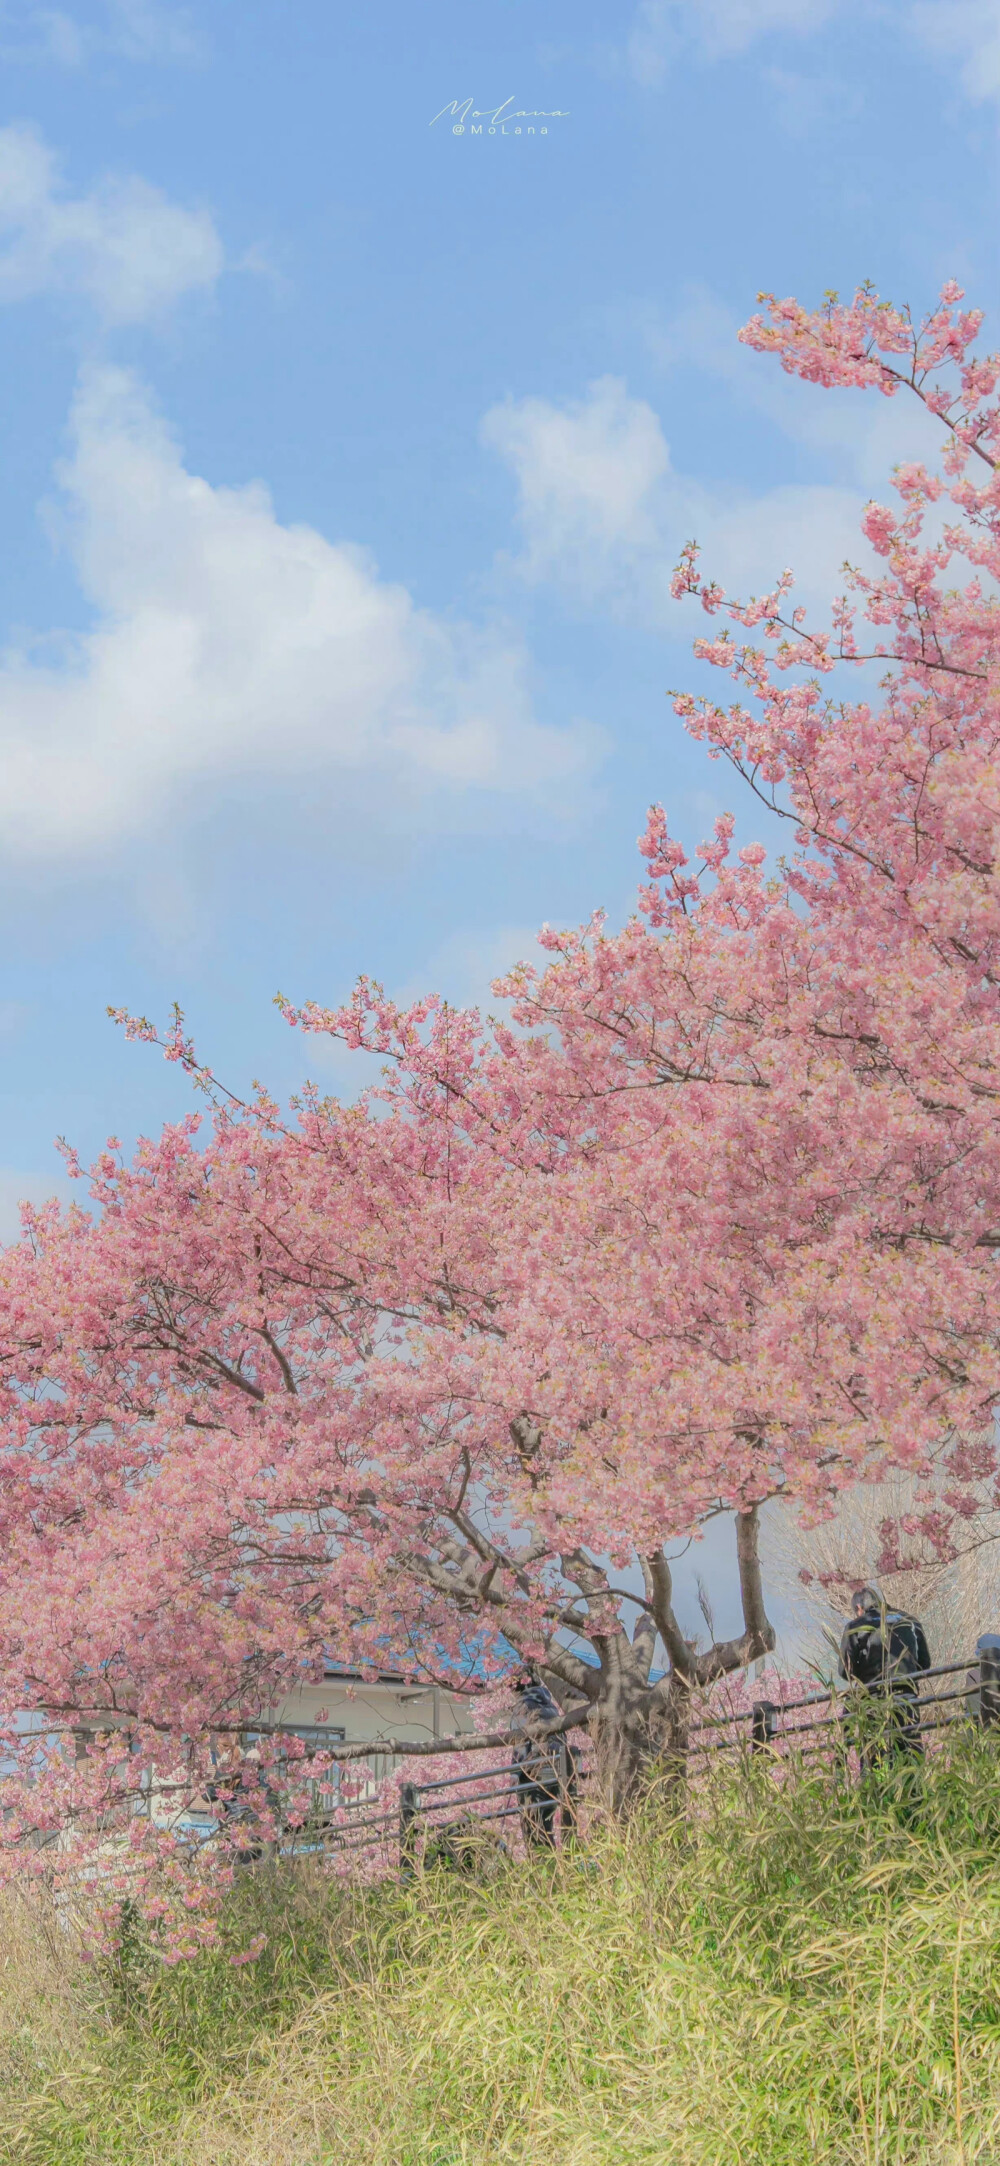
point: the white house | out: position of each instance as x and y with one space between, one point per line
347 1709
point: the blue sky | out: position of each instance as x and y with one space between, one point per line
347 458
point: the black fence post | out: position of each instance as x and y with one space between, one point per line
569 1815
765 1724
988 1650
409 1805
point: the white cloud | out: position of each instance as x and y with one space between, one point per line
145 30
140 30
604 515
589 475
603 512
41 34
662 28
225 644
124 247
967 31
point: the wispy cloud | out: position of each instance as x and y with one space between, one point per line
147 30
123 247
139 30
811 105
663 29
967 31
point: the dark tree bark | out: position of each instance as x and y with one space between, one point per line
640 1726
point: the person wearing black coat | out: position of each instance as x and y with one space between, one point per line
542 1784
885 1650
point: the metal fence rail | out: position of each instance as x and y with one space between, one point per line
434 1808
541 1790
822 1699
452 1811
764 1726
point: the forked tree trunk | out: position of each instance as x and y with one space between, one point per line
640 1730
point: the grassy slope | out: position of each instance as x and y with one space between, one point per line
806 1974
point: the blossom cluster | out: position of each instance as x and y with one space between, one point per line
714 1218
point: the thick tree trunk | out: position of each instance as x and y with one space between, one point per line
626 1738
640 1741
641 1730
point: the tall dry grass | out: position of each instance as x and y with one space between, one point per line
803 1972
42 1999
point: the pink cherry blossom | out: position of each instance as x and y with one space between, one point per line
713 1217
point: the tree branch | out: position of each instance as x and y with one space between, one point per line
659 1585
758 1636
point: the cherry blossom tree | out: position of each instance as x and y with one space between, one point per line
712 1218
296 1390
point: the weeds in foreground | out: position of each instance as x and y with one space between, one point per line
794 1971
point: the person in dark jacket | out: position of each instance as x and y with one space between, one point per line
546 1770
885 1650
